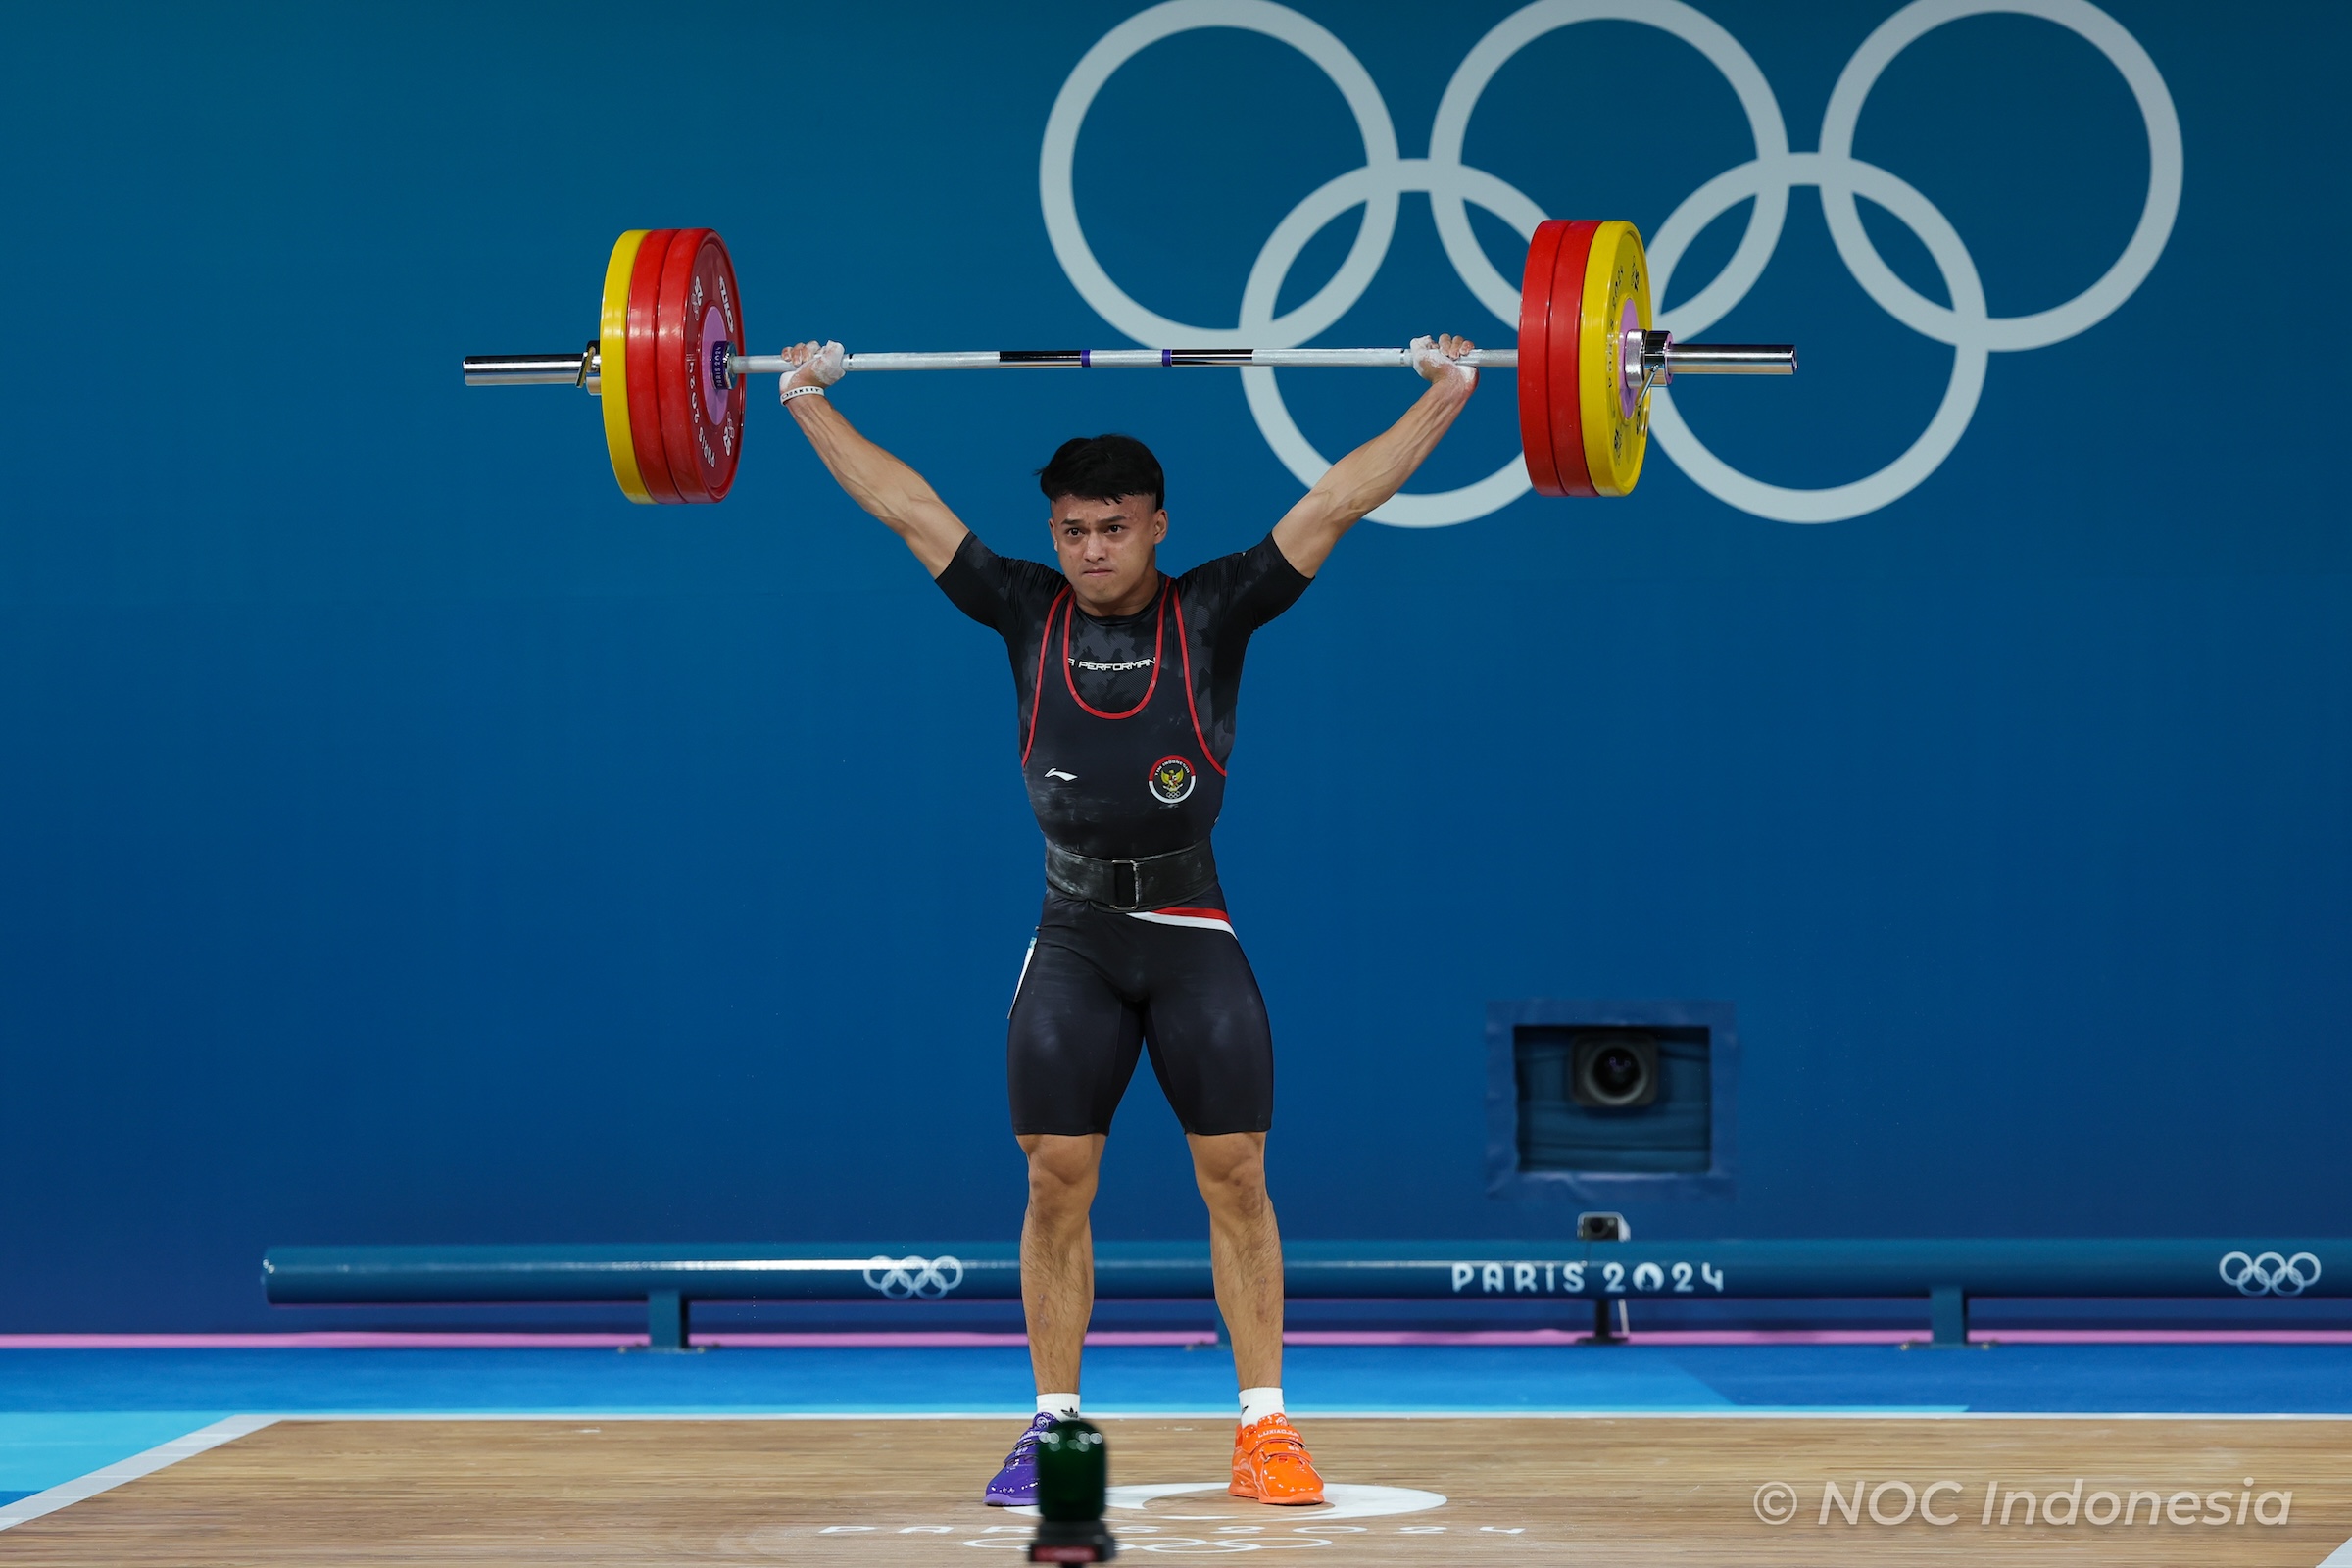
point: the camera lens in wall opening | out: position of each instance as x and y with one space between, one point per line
1615 1072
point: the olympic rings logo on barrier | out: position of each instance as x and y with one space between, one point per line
1973 332
2270 1274
899 1278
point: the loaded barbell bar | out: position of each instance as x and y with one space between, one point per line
667 363
1662 360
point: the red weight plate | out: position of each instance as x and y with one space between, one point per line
700 316
645 412
1535 343
1560 366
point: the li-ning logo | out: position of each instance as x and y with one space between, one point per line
1766 180
1172 779
2270 1274
902 1277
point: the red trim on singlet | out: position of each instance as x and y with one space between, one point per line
1159 641
1037 698
1183 646
1197 914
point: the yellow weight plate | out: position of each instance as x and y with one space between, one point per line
612 357
1614 414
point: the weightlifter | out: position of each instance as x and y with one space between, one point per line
1127 681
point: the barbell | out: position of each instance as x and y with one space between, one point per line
667 365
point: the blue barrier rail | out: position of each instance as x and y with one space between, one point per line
668 1277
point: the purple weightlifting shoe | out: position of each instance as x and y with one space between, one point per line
1015 1486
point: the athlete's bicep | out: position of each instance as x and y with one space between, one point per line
1308 532
933 533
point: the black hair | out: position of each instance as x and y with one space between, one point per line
1104 467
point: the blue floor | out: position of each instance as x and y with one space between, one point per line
39 1448
66 1412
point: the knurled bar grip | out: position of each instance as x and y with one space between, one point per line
1681 359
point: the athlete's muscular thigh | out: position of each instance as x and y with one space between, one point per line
1070 1047
1206 1023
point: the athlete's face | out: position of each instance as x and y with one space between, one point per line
1106 549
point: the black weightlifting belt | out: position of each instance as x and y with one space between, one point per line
1151 883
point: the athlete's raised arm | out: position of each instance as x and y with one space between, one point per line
1376 471
882 485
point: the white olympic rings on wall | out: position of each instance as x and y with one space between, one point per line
902 1277
1966 324
2270 1274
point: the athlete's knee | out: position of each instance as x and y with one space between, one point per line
1062 1172
1231 1170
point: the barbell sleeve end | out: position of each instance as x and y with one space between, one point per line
1732 358
528 370
1663 359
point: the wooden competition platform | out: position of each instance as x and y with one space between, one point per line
876 1494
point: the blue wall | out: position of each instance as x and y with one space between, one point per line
402 838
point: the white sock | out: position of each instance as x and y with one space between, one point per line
1060 1406
1259 1403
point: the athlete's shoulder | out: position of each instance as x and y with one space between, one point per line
1000 591
1256 584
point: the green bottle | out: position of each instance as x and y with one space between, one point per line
1073 1471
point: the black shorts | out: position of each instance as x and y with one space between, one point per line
1100 985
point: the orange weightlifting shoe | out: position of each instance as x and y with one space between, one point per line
1271 1464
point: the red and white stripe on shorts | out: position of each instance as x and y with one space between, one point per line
1198 919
